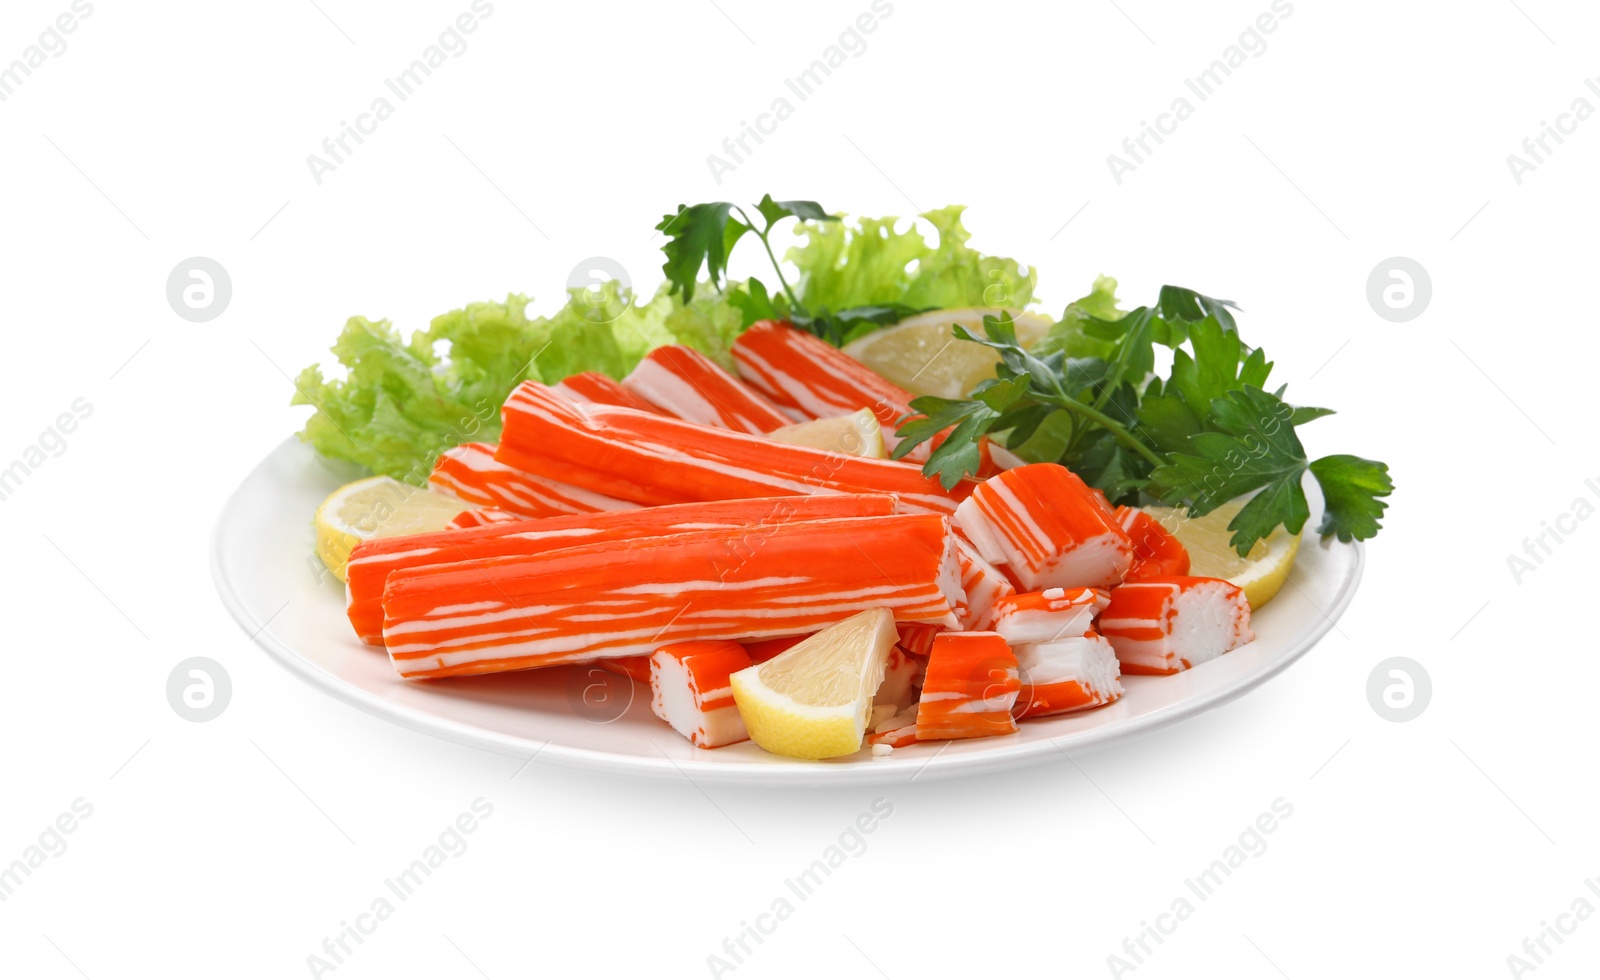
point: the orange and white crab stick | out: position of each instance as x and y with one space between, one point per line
471 473
689 690
692 386
625 598
636 668
482 516
371 562
984 585
1047 528
917 638
653 459
1066 675
1156 552
598 389
1044 617
902 676
970 687
1164 625
895 731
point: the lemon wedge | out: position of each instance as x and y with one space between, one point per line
377 507
921 355
1260 574
856 434
813 700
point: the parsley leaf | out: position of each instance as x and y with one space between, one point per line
700 234
1351 487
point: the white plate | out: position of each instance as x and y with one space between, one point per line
275 587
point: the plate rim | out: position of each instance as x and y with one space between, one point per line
789 773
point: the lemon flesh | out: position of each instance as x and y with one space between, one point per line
923 356
856 434
377 507
813 700
1260 574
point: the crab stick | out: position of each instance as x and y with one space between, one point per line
902 675
983 584
1047 528
629 597
471 473
1044 617
917 638
655 460
896 731
1066 675
814 378
481 516
689 690
970 687
596 388
692 386
1162 626
371 562
637 668
1157 553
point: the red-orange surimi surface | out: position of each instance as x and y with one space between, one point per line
1162 626
1043 617
631 597
969 689
656 460
1066 675
984 586
471 473
1047 528
637 668
1156 552
598 389
482 516
692 386
690 690
917 638
372 561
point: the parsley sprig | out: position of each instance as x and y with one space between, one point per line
704 235
1204 435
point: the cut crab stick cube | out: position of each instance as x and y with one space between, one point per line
917 638
896 731
1162 626
471 473
1157 553
970 687
372 561
653 459
984 586
1066 675
625 598
596 388
692 386
1047 528
902 675
637 668
689 690
1044 617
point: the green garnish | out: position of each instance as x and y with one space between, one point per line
1204 435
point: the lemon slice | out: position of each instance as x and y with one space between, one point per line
856 434
1260 574
921 355
378 507
813 700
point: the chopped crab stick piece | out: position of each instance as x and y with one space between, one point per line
481 516
689 690
917 638
624 598
970 687
692 386
1164 625
637 668
984 586
896 731
596 388
1065 675
1157 553
902 675
471 473
653 459
1044 617
372 561
1047 527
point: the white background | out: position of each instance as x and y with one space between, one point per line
1365 130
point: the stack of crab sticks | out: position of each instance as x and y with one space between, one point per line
664 527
